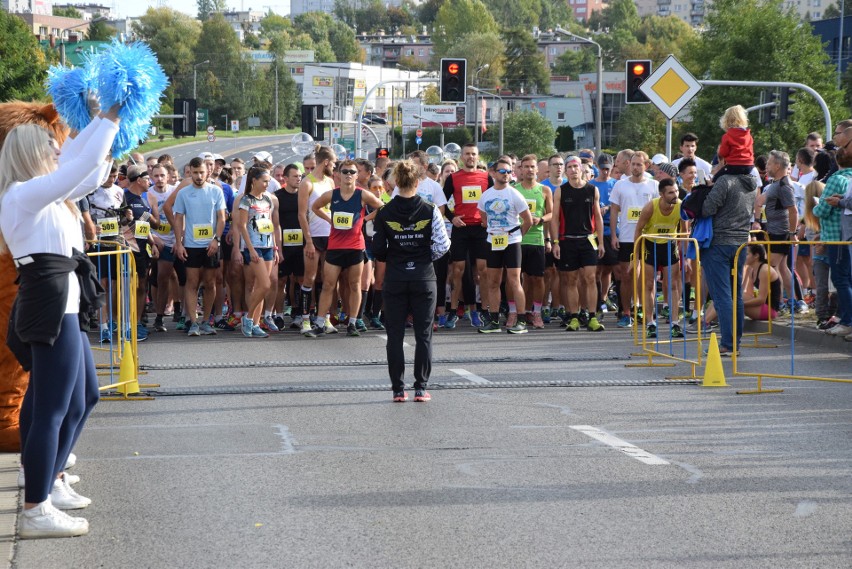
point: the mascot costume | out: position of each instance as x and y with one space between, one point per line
127 74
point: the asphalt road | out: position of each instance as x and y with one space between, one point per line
540 450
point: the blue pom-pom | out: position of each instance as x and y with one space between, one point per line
69 89
129 75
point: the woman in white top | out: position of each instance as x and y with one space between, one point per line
40 227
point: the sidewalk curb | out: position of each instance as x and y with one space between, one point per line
803 333
10 505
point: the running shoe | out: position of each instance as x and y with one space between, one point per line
563 315
194 330
158 324
640 314
511 320
610 305
594 325
360 325
466 314
665 312
376 324
583 317
181 324
537 321
489 328
206 329
452 319
176 315
422 396
269 321
676 331
224 325
475 319
573 325
329 328
288 311
828 324
296 324
651 331
257 332
400 397
442 320
625 322
545 315
106 336
141 333
234 321
45 521
246 326
518 328
279 322
307 331
801 307
352 330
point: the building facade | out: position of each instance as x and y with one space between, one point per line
829 32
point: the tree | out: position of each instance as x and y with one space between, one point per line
458 18
834 10
428 11
250 40
786 51
343 43
481 49
23 68
527 132
207 8
573 62
642 127
664 36
526 70
173 36
273 23
100 31
516 13
68 12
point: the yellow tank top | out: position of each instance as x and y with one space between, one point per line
660 224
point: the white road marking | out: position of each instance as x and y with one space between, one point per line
288 443
804 509
473 378
623 446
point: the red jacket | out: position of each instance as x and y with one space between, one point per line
737 147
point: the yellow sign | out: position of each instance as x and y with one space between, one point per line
323 81
670 87
360 84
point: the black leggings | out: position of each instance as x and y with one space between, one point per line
401 299
62 392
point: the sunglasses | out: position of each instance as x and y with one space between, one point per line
349 172
503 171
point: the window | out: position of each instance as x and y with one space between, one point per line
552 51
560 117
421 52
380 92
409 51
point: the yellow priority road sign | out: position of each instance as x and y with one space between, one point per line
670 87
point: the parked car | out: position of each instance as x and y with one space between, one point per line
371 118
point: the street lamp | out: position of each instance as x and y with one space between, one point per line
421 119
195 77
62 36
484 92
599 109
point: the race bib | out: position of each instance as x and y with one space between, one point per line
202 232
531 204
471 194
343 220
499 241
165 228
665 229
633 213
143 230
109 227
292 237
264 226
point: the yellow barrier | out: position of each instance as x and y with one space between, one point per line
760 375
122 366
652 349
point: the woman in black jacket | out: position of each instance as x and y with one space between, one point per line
410 234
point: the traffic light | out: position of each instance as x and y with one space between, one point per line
637 71
310 114
181 126
772 112
785 100
453 80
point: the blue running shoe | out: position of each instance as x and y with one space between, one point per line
257 332
625 322
246 326
442 320
452 319
141 333
106 336
475 319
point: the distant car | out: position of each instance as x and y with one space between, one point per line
370 118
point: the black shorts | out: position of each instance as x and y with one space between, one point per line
610 258
142 261
320 244
532 260
625 249
508 258
782 250
472 240
293 262
549 260
197 258
344 258
574 254
657 254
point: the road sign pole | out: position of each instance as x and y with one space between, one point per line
668 138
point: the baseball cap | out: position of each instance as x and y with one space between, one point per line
668 168
658 159
206 156
605 161
218 158
263 156
586 154
135 172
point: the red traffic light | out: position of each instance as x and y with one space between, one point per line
453 68
638 69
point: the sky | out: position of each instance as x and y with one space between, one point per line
134 8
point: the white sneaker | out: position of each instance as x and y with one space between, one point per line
72 460
64 497
839 330
46 521
69 478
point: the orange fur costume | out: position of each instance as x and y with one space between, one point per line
13 379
